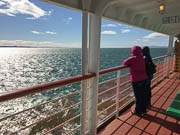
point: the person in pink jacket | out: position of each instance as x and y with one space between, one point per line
138 76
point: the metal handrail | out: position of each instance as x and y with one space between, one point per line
42 87
106 109
53 100
110 98
105 71
62 124
105 91
67 108
157 79
23 92
156 58
73 130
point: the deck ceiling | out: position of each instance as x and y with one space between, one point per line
139 13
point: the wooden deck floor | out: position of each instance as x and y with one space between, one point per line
155 122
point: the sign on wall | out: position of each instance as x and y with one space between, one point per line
171 19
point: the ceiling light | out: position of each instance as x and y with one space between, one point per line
161 7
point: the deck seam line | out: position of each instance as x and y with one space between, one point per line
156 94
131 126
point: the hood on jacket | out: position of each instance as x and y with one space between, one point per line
136 51
146 51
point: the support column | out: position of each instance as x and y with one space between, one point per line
84 70
117 93
94 58
170 47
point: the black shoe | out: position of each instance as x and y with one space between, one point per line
149 106
135 113
144 111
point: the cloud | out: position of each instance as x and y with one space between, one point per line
125 31
109 32
30 18
36 32
145 40
2 3
68 20
42 33
25 43
137 41
22 43
51 33
154 35
109 25
141 40
13 7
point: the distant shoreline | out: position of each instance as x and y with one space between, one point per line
27 47
69 47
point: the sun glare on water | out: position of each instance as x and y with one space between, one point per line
7 51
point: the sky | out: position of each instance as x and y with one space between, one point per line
39 24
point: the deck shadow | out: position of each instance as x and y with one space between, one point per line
168 124
162 111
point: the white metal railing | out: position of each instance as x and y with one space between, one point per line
112 96
114 100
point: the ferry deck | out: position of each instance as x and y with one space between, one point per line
105 108
156 121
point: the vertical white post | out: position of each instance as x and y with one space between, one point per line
173 65
164 67
170 46
159 69
94 58
158 72
117 93
84 71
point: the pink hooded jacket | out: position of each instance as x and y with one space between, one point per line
136 63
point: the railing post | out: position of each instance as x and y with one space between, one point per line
172 62
117 93
84 71
158 71
169 65
93 66
170 46
164 67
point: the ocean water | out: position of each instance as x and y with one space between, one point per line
25 67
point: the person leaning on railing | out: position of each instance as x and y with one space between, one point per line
149 63
138 77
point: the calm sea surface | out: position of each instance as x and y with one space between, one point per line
24 67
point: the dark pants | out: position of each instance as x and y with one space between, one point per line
149 90
140 93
